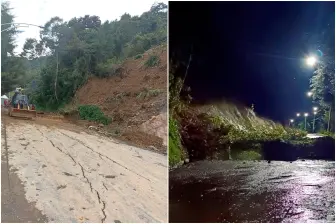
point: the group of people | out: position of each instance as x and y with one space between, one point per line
16 99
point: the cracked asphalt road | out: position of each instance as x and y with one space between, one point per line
78 177
243 192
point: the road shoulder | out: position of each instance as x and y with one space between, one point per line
14 205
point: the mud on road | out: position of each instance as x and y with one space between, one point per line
236 191
77 177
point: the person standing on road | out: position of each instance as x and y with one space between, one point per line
14 98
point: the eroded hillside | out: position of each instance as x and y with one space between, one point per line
222 130
135 98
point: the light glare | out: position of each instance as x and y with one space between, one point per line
311 61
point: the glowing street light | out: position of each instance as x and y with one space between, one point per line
298 114
305 115
311 61
309 94
290 121
315 112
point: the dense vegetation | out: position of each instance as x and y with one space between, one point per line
12 67
53 68
322 83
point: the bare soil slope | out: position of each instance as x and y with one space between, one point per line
135 95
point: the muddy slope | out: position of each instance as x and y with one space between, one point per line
132 97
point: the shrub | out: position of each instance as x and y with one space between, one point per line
93 113
152 61
175 147
68 110
149 93
327 133
154 92
138 56
109 68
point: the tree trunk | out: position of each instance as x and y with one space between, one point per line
329 117
56 76
186 73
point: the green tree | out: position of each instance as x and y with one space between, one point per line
81 47
322 83
12 67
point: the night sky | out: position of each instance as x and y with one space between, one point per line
250 52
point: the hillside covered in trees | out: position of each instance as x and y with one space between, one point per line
54 67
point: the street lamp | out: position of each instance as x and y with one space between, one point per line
298 114
290 121
315 112
311 61
309 94
306 115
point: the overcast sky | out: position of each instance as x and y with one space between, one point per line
40 11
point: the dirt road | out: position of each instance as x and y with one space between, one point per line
78 177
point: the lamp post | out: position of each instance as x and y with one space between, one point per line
290 121
298 115
315 112
306 115
314 121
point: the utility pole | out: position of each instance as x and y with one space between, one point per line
306 115
19 25
314 122
305 123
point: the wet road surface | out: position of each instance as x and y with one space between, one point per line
65 176
237 191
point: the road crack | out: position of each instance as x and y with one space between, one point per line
104 214
83 171
87 180
97 193
102 155
98 196
53 144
